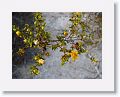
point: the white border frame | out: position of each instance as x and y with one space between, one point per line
104 84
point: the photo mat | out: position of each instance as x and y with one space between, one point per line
17 82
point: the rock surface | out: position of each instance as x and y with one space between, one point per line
82 68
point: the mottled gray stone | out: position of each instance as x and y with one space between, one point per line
52 69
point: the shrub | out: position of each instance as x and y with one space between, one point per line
81 38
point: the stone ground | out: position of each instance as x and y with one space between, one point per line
82 68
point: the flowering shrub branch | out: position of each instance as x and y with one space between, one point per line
80 37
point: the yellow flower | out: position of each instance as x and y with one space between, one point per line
74 54
41 61
42 27
65 33
31 33
25 40
35 23
18 33
36 42
28 29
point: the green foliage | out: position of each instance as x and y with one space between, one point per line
65 59
34 36
94 60
54 47
34 70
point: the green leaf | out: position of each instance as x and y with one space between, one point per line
64 59
93 59
14 28
54 47
63 50
63 43
34 70
89 43
82 50
60 38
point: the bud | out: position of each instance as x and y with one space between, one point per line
36 42
25 40
18 33
65 33
41 61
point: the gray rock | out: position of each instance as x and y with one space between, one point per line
52 69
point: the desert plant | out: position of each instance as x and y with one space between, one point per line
80 37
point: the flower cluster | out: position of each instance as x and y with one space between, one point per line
74 55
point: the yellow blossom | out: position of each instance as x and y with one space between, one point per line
74 54
35 23
31 33
36 42
25 40
28 29
18 33
41 61
42 27
65 33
